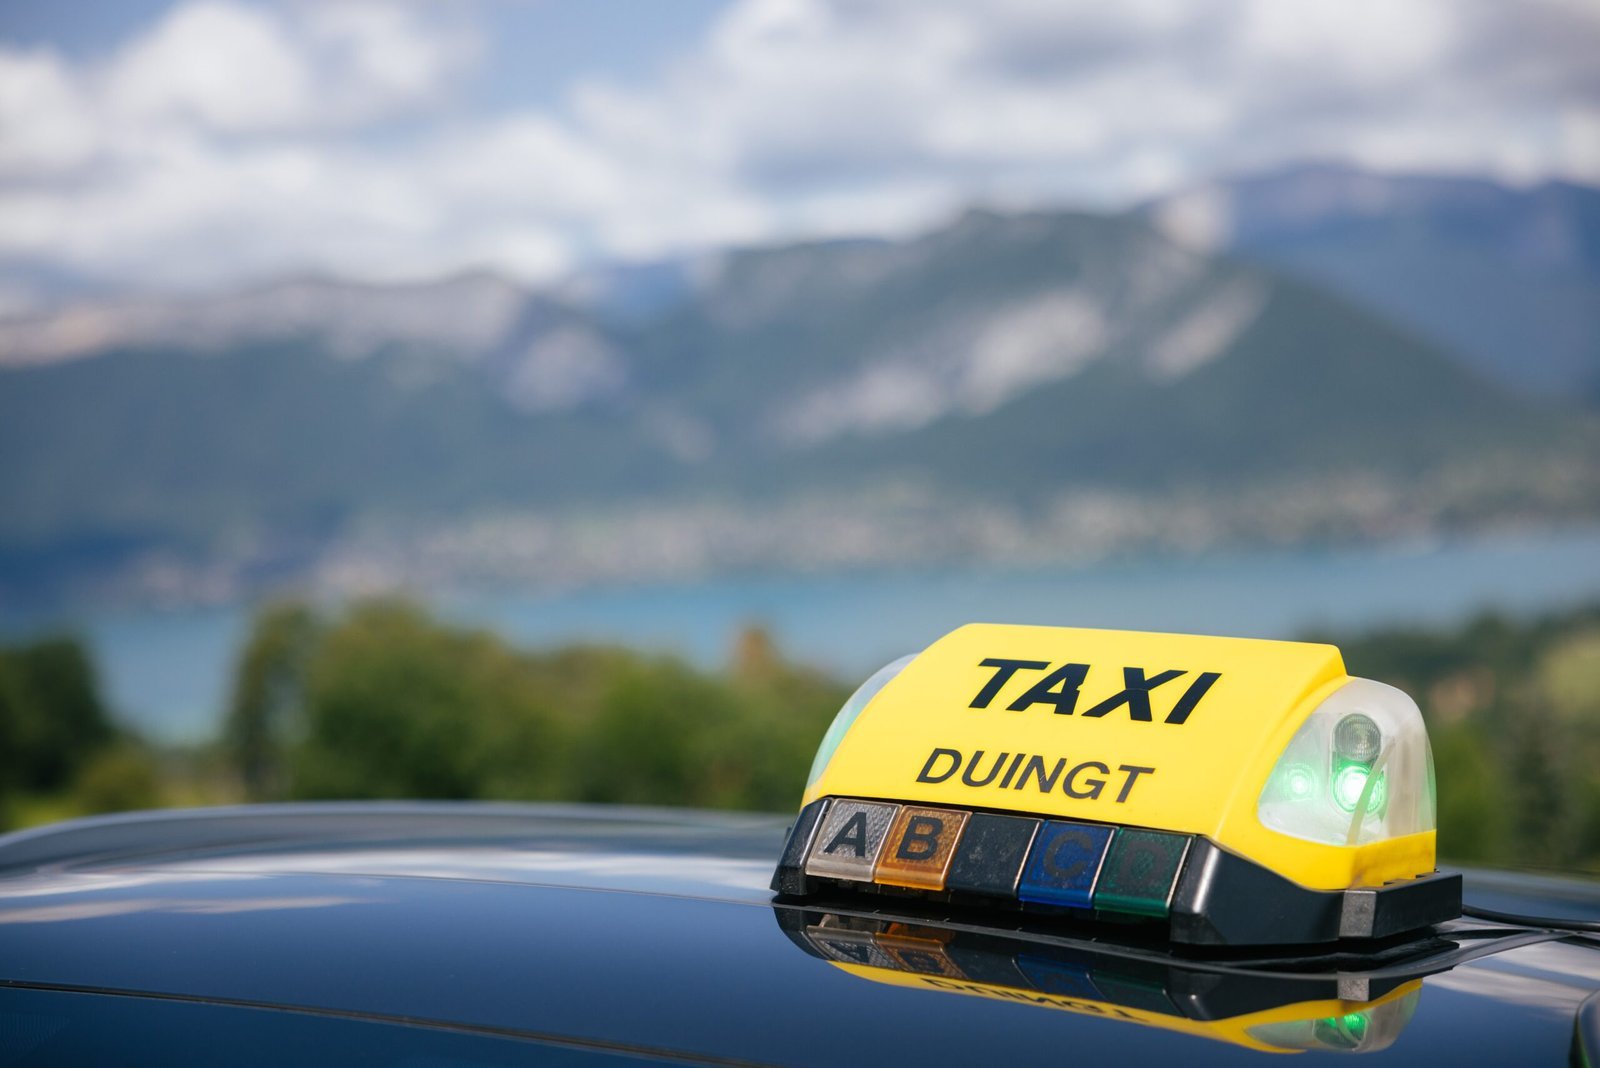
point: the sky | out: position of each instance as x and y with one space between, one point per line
205 144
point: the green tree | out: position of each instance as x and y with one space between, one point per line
665 733
1566 682
119 778
13 765
386 702
266 710
658 736
785 713
1473 815
398 706
53 718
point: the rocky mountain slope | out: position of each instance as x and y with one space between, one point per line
1506 278
1029 385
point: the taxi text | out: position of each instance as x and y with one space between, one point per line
1061 687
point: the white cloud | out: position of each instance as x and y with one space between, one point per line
235 140
1380 44
528 162
225 66
381 57
45 125
238 69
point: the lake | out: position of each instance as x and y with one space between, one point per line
167 672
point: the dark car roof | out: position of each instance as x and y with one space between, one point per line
382 930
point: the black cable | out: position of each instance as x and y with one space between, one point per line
1547 922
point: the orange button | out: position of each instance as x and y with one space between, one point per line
919 846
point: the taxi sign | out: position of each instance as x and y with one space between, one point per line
1146 775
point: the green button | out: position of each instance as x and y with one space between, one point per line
1140 870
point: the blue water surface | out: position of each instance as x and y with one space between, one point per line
167 672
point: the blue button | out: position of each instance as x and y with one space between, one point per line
1063 864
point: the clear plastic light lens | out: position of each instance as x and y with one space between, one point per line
1365 1031
1378 795
847 715
1359 770
1341 1032
1357 738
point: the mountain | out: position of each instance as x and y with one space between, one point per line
1011 386
542 352
464 315
1506 278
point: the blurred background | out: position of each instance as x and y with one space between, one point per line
529 399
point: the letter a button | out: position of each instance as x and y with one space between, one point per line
851 837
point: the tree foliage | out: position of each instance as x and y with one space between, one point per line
60 753
383 701
51 716
268 691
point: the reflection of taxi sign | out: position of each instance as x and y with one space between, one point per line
1243 791
1333 1012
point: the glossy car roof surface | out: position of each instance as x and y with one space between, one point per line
465 932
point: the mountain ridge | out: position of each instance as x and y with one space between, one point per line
1028 371
1507 278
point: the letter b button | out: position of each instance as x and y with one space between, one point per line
919 846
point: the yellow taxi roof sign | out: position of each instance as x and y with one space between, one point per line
1169 732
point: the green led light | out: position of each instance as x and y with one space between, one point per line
1348 783
1299 782
1341 1032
